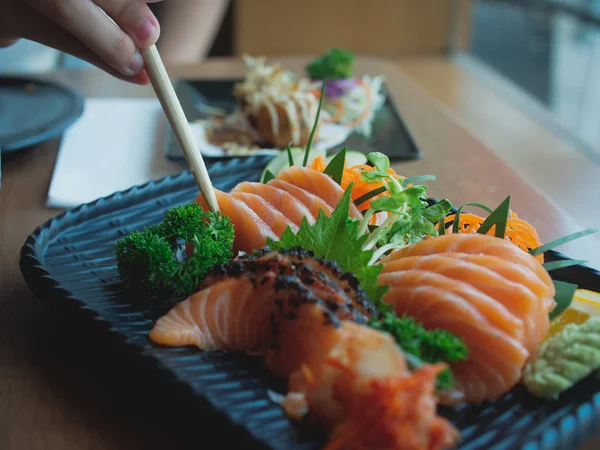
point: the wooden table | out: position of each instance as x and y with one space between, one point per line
62 389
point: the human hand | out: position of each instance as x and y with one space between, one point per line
106 33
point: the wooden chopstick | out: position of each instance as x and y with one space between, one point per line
170 103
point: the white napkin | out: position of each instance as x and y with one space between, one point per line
116 144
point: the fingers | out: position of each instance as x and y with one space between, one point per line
32 25
134 18
88 23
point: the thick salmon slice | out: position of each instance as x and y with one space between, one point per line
313 202
512 272
267 212
319 184
536 326
493 312
488 345
485 290
251 232
282 200
474 244
519 303
229 315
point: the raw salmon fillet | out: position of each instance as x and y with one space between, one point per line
319 184
282 200
240 303
487 291
260 211
313 202
229 315
267 212
250 231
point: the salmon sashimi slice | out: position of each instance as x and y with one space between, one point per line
325 279
282 200
536 327
313 202
516 279
474 244
319 184
240 301
490 293
492 312
436 308
519 302
230 315
267 212
512 272
250 231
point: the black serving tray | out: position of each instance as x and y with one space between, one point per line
69 263
390 134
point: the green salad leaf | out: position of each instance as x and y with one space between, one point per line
418 179
410 218
498 217
335 168
563 240
312 132
563 297
369 195
268 176
553 265
336 238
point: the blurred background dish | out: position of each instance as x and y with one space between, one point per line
202 99
32 111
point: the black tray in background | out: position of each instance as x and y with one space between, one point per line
69 263
32 111
390 134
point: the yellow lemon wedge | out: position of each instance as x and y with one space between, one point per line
585 304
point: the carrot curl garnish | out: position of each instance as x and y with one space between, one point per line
518 231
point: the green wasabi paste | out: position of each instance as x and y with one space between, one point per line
564 359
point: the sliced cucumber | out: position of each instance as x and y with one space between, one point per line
353 158
282 161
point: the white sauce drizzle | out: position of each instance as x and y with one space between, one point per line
271 87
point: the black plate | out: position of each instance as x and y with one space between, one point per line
32 111
69 263
389 136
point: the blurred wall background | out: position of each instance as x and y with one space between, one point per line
390 28
306 27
